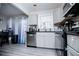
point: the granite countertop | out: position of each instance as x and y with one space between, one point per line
45 31
61 32
57 32
31 32
73 33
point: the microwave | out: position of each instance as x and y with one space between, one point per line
76 25
67 7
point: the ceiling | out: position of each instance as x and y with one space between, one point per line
7 9
28 7
21 8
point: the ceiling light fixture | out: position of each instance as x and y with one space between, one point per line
34 5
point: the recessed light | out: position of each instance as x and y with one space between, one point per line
34 5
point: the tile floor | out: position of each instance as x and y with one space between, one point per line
21 50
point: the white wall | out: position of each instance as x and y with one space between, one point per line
16 25
33 12
32 19
9 23
57 15
33 16
3 23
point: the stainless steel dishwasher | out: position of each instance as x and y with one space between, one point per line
31 39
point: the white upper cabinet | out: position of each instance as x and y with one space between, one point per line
32 19
58 14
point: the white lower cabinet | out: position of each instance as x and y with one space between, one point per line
58 41
45 39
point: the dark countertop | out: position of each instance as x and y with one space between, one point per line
57 32
45 31
76 33
31 32
73 33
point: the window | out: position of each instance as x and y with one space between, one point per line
45 21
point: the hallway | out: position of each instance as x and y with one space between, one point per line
21 50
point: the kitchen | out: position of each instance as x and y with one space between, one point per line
44 36
54 27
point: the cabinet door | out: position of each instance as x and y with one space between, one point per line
49 43
58 41
49 40
58 15
45 40
39 40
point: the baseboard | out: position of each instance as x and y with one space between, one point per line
51 48
31 46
